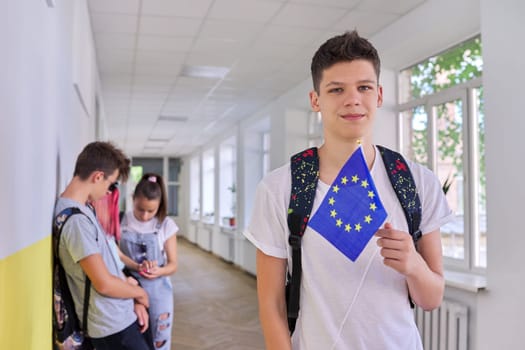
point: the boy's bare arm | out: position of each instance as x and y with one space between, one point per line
271 274
130 264
428 285
423 268
109 285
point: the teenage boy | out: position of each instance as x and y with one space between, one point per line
117 312
345 304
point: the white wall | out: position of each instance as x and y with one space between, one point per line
430 28
501 309
385 127
289 124
43 125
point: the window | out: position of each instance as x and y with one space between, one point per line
315 129
208 186
142 165
149 165
195 189
415 134
442 126
228 182
266 153
255 152
174 165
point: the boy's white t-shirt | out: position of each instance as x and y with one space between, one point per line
344 304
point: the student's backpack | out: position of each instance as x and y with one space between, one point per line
67 333
305 174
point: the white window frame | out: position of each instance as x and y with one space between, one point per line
315 129
208 208
265 152
195 188
228 178
466 93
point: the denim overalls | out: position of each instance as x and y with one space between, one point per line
146 246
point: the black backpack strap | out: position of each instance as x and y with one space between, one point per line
87 290
405 189
60 220
305 173
58 225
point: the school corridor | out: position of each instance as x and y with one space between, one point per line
213 95
215 303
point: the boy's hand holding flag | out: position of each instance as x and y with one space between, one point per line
351 211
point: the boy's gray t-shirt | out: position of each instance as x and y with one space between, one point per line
81 237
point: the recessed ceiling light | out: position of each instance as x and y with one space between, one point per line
152 149
204 72
154 144
173 118
158 139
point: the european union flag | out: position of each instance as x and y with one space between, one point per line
351 211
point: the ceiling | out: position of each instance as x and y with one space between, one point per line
177 73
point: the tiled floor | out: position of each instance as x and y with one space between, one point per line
215 304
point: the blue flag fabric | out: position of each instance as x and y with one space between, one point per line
351 211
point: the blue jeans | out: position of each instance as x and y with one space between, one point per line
127 339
